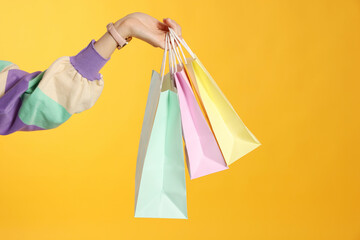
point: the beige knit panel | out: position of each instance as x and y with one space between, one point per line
3 77
68 87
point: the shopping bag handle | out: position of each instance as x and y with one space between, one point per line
173 37
173 50
182 41
172 61
171 65
174 55
162 69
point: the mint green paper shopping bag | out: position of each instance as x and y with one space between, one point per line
160 190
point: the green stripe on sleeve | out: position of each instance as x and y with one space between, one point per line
34 82
4 64
40 110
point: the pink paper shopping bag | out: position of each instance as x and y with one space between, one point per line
203 153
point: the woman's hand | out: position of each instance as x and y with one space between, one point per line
146 28
138 25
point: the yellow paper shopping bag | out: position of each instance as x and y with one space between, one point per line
233 137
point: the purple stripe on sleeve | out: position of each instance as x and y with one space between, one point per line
17 83
88 62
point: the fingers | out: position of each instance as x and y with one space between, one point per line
162 26
174 25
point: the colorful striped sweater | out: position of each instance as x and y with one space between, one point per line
46 99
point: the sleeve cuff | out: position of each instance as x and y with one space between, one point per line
88 62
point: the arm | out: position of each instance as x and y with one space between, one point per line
46 99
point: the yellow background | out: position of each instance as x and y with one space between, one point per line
290 69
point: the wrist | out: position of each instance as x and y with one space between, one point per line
106 45
123 27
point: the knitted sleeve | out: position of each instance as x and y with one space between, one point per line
41 100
